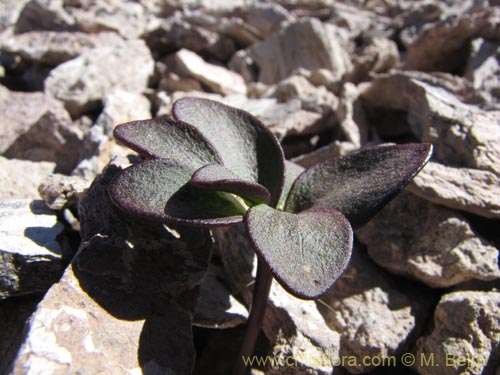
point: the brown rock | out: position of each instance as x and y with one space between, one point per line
319 44
19 179
466 335
36 127
53 48
432 244
467 189
83 82
60 191
47 15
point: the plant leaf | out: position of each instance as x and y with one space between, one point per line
159 189
246 146
167 138
217 177
307 252
359 184
292 171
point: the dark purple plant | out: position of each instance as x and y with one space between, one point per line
214 165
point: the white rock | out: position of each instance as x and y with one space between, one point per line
30 255
219 79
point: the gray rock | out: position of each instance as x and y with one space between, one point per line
442 46
216 78
127 18
83 82
119 107
53 48
30 254
61 191
432 244
267 18
351 116
319 44
126 302
36 127
9 12
375 319
312 98
378 55
217 308
464 135
483 69
466 189
48 15
19 179
465 337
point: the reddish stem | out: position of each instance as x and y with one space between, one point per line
261 290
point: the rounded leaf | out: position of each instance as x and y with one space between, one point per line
166 138
245 145
217 177
359 184
307 252
159 189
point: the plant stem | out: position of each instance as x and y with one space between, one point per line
261 290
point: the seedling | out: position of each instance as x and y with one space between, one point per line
214 165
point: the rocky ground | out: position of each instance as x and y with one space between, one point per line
327 77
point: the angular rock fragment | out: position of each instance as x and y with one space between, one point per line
83 82
466 335
47 15
463 135
125 304
60 191
373 318
19 179
483 69
267 18
53 48
379 55
36 127
443 46
432 244
319 44
31 257
217 308
466 189
216 78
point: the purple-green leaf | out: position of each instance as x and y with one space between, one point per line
217 177
245 145
159 189
307 252
359 184
167 138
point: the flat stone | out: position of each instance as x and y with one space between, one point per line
126 302
36 127
434 244
471 190
83 82
19 179
54 48
30 255
465 337
319 44
463 134
217 78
